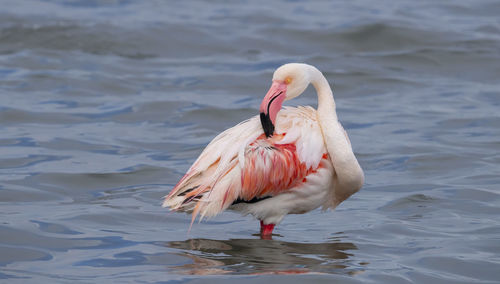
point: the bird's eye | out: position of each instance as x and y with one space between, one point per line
288 80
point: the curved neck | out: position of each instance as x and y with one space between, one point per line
350 176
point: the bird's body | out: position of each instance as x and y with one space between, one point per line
278 165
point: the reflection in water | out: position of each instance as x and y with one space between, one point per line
255 256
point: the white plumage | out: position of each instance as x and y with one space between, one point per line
303 161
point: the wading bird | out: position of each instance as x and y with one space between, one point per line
285 161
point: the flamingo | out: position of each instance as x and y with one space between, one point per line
287 160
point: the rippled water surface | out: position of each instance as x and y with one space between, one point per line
105 104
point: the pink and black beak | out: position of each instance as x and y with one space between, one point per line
271 105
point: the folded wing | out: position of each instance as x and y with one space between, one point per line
241 164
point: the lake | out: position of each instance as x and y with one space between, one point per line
105 104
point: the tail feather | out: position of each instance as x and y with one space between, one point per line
206 193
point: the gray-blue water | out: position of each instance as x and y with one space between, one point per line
105 104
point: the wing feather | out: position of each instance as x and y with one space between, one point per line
242 164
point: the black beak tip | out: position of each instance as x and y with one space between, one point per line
267 124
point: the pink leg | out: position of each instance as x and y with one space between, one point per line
266 231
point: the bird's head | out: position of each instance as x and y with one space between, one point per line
289 81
